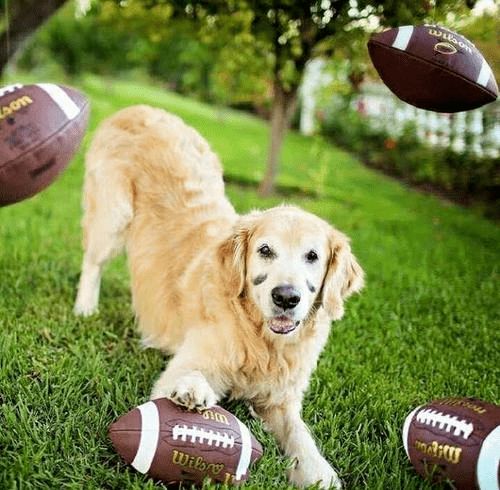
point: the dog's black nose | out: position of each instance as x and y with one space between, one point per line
286 297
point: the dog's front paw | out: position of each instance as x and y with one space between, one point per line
84 309
87 297
191 391
304 475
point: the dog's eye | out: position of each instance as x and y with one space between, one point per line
311 256
266 252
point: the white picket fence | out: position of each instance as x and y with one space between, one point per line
477 131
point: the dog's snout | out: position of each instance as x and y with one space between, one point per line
286 297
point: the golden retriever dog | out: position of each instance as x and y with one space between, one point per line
244 304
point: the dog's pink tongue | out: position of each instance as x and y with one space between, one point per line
281 324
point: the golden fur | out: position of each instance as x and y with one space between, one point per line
202 285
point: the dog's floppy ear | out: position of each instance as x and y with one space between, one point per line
232 255
343 278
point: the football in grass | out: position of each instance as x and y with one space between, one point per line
174 445
41 127
433 68
455 439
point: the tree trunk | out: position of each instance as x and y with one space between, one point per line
23 18
283 107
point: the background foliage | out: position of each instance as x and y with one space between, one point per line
148 42
215 61
463 177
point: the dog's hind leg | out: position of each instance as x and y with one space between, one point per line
108 211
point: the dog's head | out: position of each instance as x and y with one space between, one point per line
289 263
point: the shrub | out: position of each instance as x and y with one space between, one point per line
463 177
78 45
106 42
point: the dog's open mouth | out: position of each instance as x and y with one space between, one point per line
282 324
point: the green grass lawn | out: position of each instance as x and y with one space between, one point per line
426 326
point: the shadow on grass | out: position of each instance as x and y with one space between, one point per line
283 190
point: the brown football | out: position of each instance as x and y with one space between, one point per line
172 444
433 68
456 439
41 127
